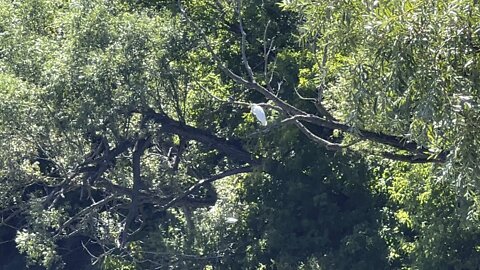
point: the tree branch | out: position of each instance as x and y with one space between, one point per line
138 184
230 148
244 43
206 181
415 158
315 138
378 137
300 115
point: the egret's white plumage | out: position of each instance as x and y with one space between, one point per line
231 220
259 114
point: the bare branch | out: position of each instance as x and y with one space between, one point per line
180 149
205 181
266 51
15 213
321 65
88 251
266 54
419 158
241 103
244 43
304 98
328 145
321 86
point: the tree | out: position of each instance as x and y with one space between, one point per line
94 126
119 118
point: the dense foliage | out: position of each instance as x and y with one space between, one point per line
127 140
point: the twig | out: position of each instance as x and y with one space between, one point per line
266 55
243 42
7 241
88 251
241 103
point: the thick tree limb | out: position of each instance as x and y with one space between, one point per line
138 184
102 163
415 158
230 148
378 137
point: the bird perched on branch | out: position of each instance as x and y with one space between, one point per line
259 113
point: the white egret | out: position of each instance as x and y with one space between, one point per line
259 113
231 220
